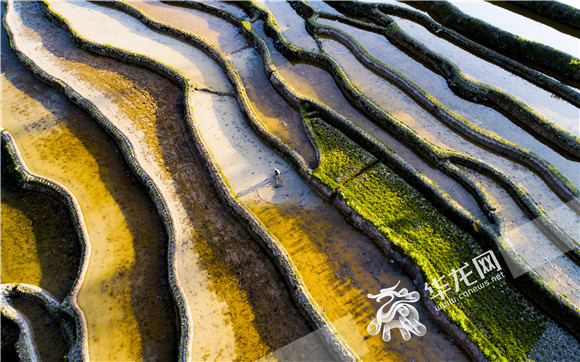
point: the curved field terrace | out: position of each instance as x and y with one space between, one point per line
290 180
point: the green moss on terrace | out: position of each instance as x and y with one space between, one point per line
340 158
497 318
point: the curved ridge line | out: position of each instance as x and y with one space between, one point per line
26 345
31 181
562 65
127 151
300 292
536 163
527 73
458 82
432 152
525 284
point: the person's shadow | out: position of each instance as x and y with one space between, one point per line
253 188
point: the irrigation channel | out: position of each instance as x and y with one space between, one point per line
208 180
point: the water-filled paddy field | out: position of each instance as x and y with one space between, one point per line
305 180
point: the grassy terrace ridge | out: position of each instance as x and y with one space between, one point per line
529 74
439 156
558 64
498 319
340 158
370 18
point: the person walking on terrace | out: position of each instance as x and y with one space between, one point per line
277 177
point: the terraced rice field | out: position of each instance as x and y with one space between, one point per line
303 180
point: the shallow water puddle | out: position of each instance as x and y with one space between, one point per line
545 103
232 289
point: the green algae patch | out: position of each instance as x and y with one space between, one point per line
340 158
39 244
497 318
